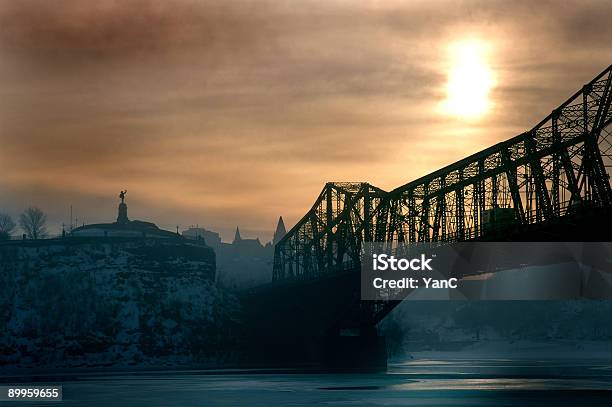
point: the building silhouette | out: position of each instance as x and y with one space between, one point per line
124 227
212 239
280 231
244 262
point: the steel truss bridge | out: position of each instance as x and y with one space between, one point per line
549 183
552 173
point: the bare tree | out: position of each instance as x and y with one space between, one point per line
33 222
6 226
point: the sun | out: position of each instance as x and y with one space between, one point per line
470 80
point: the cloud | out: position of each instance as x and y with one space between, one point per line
235 112
69 31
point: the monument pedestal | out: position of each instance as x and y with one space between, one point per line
122 217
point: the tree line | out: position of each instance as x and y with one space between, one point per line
32 221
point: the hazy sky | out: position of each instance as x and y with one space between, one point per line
227 113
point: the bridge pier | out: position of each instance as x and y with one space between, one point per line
288 326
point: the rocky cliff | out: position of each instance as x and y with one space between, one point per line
93 302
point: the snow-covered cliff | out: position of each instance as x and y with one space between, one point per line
132 302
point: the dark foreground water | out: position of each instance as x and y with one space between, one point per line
463 382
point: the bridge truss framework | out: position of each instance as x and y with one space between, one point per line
555 169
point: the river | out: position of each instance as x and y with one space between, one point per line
456 382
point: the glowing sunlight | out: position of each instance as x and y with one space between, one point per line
470 80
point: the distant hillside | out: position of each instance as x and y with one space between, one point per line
457 325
